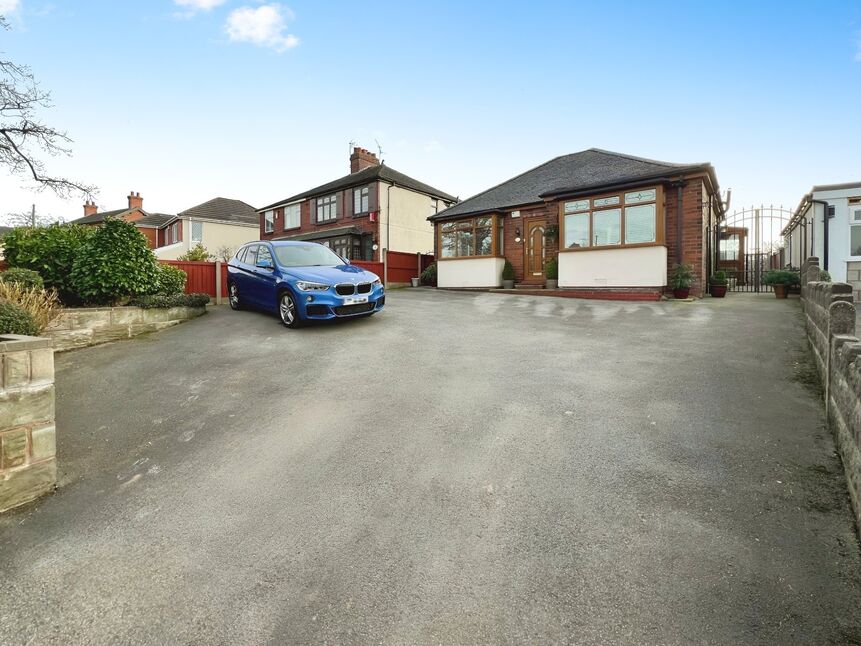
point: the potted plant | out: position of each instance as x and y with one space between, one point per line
551 231
507 275
718 284
414 281
551 273
681 279
781 280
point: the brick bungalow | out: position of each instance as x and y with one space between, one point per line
358 215
611 220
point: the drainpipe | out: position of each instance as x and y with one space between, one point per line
825 218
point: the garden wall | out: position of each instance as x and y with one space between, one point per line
78 328
28 464
830 323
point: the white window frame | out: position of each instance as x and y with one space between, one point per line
853 206
327 206
269 221
199 239
293 209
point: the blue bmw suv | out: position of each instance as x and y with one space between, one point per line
301 281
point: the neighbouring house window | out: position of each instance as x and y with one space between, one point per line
172 234
349 247
611 220
327 208
361 203
855 229
197 231
269 221
465 238
292 214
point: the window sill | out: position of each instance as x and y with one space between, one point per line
292 228
470 257
611 247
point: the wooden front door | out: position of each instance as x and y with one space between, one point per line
534 250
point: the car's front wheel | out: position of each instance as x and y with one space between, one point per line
287 310
233 297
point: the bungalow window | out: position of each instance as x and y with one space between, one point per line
269 221
467 238
361 203
327 208
611 220
172 234
291 216
197 231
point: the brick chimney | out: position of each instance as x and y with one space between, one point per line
90 208
362 159
135 200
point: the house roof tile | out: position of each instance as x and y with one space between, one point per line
224 209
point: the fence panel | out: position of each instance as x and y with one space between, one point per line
201 276
376 267
402 266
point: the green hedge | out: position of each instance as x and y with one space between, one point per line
428 276
14 319
171 280
152 301
26 278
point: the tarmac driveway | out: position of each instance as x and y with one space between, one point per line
462 468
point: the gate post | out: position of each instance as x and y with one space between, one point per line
218 282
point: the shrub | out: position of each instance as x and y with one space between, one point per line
224 253
682 277
786 277
428 276
824 276
551 270
50 251
197 253
43 305
114 264
14 319
507 271
152 301
171 280
23 277
719 278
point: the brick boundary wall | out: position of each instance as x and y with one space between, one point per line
28 463
82 327
830 316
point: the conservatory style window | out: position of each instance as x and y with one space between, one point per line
628 218
467 238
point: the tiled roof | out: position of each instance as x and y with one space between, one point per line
226 210
154 220
100 217
592 168
370 174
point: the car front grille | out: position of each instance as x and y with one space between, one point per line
364 288
345 289
346 310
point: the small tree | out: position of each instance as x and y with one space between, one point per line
224 253
197 253
115 264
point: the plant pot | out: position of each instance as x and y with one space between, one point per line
780 290
507 284
718 291
414 282
681 292
552 283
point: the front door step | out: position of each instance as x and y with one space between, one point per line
529 286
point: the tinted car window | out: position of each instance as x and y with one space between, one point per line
263 253
251 255
307 255
240 255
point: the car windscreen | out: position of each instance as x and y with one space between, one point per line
310 255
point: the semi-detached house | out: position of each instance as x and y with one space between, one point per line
373 208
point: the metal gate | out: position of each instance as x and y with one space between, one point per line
748 244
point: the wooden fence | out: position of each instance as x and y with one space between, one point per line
403 266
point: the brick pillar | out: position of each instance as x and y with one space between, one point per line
28 463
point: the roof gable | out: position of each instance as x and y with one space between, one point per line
588 169
370 174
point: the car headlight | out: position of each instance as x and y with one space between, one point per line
306 286
377 283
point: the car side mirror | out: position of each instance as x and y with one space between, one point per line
263 263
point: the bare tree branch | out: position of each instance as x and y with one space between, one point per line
24 139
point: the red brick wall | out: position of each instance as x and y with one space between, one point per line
151 236
694 200
515 252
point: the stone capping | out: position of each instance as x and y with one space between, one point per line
28 464
85 326
830 318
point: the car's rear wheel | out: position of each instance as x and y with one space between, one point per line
288 311
233 297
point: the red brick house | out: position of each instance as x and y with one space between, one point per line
614 223
215 224
373 208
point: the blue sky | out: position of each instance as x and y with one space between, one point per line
185 101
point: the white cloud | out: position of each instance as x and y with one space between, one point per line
197 5
263 26
9 6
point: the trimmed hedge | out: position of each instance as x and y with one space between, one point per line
14 319
171 280
152 301
26 278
